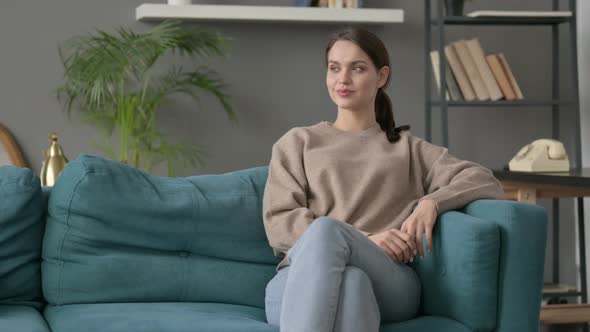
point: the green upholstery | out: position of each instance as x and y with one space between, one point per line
126 251
426 324
157 317
523 234
202 317
459 278
21 231
115 234
14 318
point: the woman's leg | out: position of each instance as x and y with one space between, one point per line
357 306
274 296
316 267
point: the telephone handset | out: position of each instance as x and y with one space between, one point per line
542 155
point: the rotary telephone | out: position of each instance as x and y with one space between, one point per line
542 155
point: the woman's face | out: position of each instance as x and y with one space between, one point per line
352 78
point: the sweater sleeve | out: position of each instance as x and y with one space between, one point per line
285 211
450 182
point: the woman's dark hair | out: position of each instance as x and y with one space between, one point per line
375 49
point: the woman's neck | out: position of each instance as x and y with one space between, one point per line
354 121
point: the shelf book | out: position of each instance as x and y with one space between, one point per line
500 76
453 92
459 74
490 83
474 76
511 79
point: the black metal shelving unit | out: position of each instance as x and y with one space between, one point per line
436 26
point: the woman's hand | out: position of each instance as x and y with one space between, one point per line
421 221
396 244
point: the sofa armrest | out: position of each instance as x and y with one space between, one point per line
459 277
523 234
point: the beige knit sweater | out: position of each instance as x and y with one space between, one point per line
362 179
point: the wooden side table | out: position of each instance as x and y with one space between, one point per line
528 187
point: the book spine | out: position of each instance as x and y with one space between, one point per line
471 70
351 3
459 72
337 4
500 77
452 87
435 59
510 76
476 51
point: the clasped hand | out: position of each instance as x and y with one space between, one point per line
403 244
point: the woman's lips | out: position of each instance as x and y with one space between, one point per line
344 92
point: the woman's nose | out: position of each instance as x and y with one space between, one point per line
345 76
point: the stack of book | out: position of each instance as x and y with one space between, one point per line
330 3
344 3
473 76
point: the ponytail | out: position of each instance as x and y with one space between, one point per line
384 116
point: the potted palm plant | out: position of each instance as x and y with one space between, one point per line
110 78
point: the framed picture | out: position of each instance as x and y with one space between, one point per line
10 152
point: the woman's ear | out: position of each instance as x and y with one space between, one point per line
382 75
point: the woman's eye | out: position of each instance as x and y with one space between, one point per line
334 69
359 69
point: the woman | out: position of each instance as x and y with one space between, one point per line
348 203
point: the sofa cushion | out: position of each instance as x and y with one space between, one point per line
15 318
157 317
460 276
523 234
116 234
21 225
426 323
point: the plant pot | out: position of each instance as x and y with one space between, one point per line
454 7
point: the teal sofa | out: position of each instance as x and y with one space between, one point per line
112 249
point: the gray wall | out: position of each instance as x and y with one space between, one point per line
276 78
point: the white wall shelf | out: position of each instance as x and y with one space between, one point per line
158 12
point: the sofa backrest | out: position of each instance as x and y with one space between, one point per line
116 234
21 231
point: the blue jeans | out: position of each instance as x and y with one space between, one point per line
338 280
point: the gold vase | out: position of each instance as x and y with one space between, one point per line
54 162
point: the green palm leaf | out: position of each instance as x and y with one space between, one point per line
177 81
110 78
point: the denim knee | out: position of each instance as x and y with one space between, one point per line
324 227
358 307
323 236
355 276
